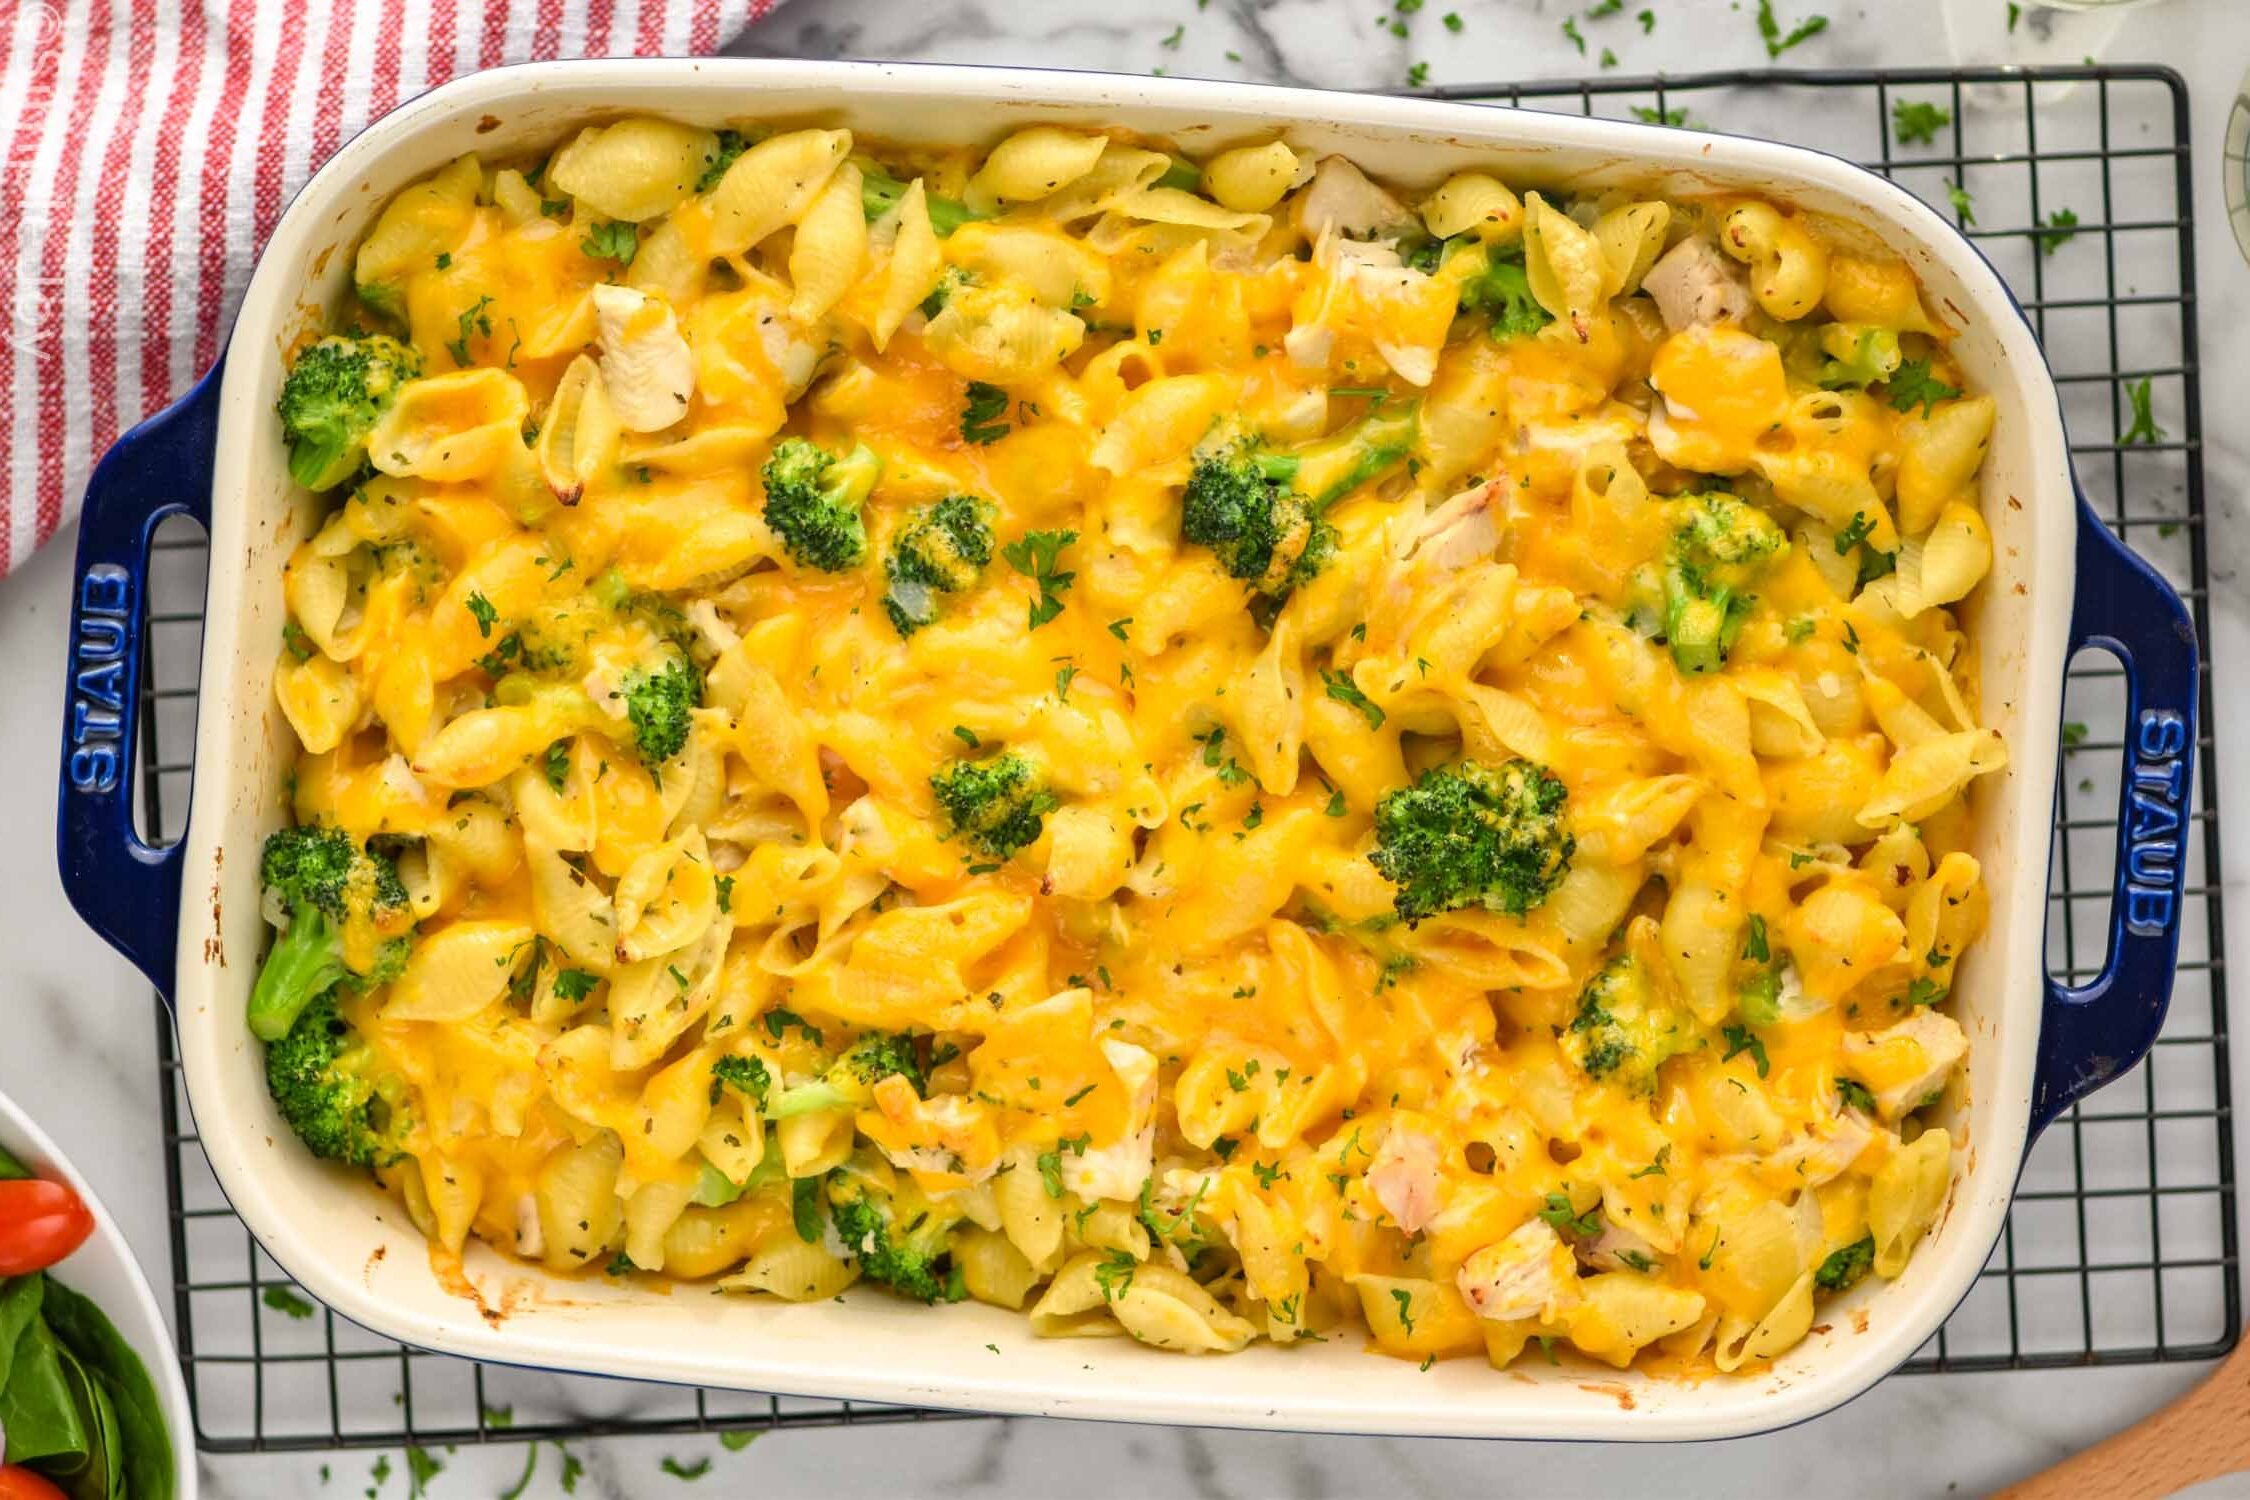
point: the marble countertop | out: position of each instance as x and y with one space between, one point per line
80 1054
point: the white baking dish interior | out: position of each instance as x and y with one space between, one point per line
358 1252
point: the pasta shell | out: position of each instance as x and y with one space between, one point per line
578 439
635 169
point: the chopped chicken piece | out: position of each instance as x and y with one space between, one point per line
793 351
1118 1169
1530 1274
1341 199
1693 284
1462 531
647 367
1404 1177
1823 1157
1904 1065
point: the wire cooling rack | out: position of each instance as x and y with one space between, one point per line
2121 1245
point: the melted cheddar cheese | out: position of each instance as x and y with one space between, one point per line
1064 910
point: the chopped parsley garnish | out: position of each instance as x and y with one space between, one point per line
575 985
1754 945
613 241
472 320
1114 1274
1912 385
2060 230
984 417
1739 1041
1344 691
481 608
1034 555
1853 1094
1405 1300
1568 1220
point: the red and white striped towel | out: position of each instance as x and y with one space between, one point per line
146 148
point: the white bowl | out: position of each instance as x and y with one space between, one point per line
104 1269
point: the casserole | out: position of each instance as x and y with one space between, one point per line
337 1240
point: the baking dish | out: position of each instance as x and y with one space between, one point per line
2036 1046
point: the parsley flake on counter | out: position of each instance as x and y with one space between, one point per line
1769 29
1916 122
1964 202
2144 428
283 1300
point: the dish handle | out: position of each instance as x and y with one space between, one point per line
127 889
2093 1032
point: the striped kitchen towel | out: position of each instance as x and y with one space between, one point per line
148 146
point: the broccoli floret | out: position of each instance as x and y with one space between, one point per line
939 550
747 1076
1623 1032
328 885
879 193
1470 834
324 1080
850 1081
1501 290
813 500
1239 505
332 398
897 1238
1859 355
1377 443
730 145
996 805
950 280
1845 1267
1259 509
1719 547
658 701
